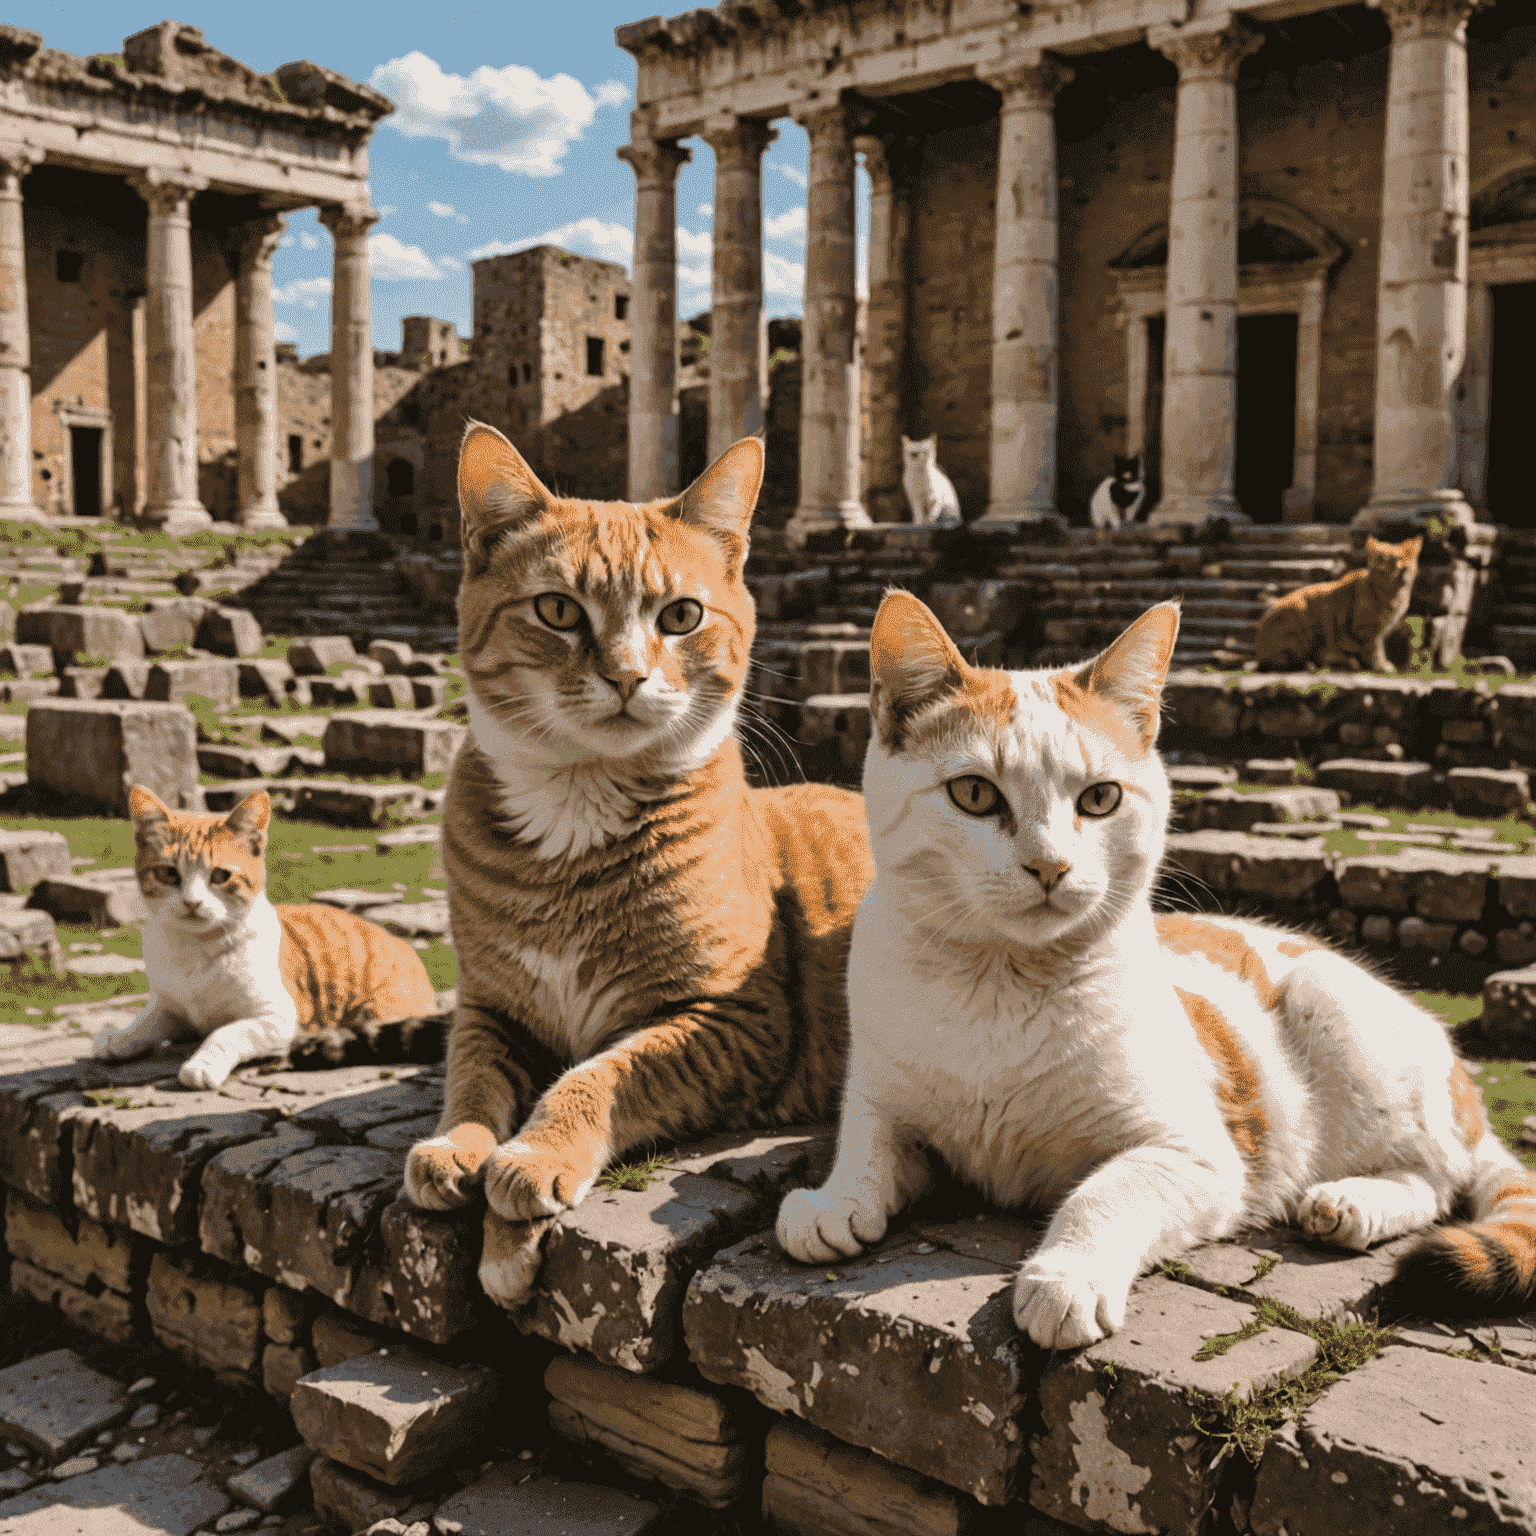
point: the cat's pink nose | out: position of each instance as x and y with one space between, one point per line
1048 872
625 681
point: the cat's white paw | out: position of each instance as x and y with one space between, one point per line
1064 1300
117 1044
204 1071
819 1226
1329 1211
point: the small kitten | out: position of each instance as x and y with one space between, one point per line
1343 624
1119 496
930 492
226 964
1153 1081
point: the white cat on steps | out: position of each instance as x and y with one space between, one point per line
930 492
1119 496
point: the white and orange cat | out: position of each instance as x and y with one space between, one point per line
1154 1081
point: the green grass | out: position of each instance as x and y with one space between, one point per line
1509 1091
637 1176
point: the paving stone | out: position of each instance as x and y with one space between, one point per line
27 857
160 1496
379 741
506 1502
1374 783
361 1099
678 1435
203 1309
341 691
1199 777
28 933
104 965
817 1486
213 679
391 693
25 660
266 676
1235 863
245 762
393 655
396 1414
106 1314
1117 1442
90 1255
55 1403
126 678
403 1135
92 753
14 1480
431 832
313 654
413 919
349 1501
1408 1442
909 1350
229 632
101 898
283 1365
337 1337
275 1483
170 623
351 805
73 631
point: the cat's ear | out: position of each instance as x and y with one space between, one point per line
720 502
906 442
146 808
497 491
912 662
252 816
1130 673
1409 548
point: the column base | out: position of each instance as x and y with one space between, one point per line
189 517
22 512
848 516
262 517
1197 510
1430 510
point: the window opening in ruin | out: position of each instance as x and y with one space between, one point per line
85 470
295 454
400 477
68 265
1509 410
512 375
1152 415
435 533
408 524
410 413
621 306
527 372
1266 414
595 357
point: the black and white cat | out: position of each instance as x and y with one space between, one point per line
1119 496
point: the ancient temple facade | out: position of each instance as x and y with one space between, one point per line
1285 251
142 196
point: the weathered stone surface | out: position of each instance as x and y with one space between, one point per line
1509 1010
75 631
313 655
1424 881
106 898
245 762
351 805
834 736
421 1275
227 1180
349 900
1409 1442
266 675
282 1365
1517 885
93 753
1229 810
160 1496
817 1486
910 1350
171 622
506 1502
391 693
199 1308
1489 791
56 1402
29 933
393 655
25 660
1237 863
349 1501
276 1482
229 632
379 741
395 1415
285 1315
106 1314
678 1435
91 1255
968 609
337 1336
1379 783
1117 1444
177 681
412 919
27 857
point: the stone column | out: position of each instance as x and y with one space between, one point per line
171 352
738 385
251 248
829 390
1200 377
16 498
1024 296
1421 295
351 368
653 449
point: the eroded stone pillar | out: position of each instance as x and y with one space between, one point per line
829 391
1024 296
653 449
171 352
1421 294
1200 378
351 368
16 497
738 383
256 427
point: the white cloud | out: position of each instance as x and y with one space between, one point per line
791 173
587 237
787 226
783 279
282 331
286 240
450 263
308 241
442 210
706 210
510 117
304 291
695 245
392 261
384 210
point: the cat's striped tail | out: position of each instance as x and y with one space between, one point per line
1482 1267
422 1038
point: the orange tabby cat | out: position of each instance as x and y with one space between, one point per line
226 964
1343 624
648 949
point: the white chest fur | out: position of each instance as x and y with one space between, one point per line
210 980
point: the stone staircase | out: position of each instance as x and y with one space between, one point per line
1511 625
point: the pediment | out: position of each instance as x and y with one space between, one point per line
1270 234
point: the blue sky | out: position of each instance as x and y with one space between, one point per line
507 124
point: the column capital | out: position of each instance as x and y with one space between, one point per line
655 162
17 159
348 221
877 161
822 119
1211 51
1031 81
1427 18
737 141
254 241
168 193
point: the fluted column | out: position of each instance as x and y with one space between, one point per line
16 498
351 368
738 382
1421 295
1200 388
1024 296
252 246
829 387
171 352
653 448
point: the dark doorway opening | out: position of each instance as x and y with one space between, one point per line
1511 497
85 470
400 477
1266 414
1152 414
295 454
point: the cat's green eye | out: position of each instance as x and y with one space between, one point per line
168 873
975 796
681 618
557 610
220 877
1099 799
